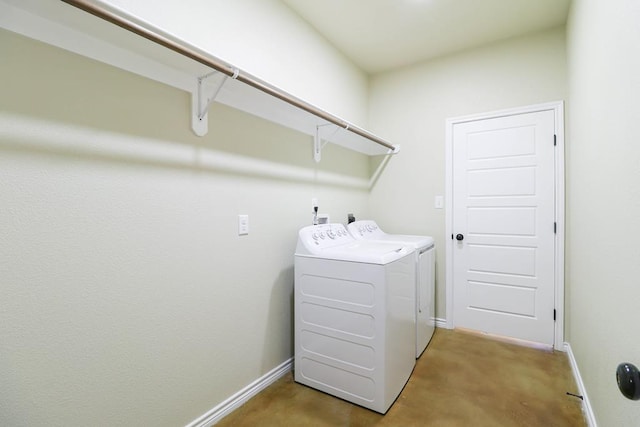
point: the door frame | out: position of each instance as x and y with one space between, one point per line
558 108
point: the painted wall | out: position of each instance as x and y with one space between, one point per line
127 296
411 105
603 199
264 38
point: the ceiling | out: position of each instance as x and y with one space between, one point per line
379 35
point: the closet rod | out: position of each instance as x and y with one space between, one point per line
218 65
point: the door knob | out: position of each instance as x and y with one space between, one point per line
627 376
459 237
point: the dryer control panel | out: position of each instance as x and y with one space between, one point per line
365 229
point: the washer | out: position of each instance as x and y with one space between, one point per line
353 316
425 274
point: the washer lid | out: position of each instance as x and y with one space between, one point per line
369 230
331 241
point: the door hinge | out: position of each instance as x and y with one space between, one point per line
554 140
555 228
554 314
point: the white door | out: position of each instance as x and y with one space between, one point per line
503 226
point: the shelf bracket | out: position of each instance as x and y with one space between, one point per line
319 142
200 102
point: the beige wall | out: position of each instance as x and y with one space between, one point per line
127 296
267 39
411 106
126 293
603 199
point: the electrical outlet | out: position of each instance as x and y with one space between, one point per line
323 219
243 225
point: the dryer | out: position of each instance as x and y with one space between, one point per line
353 318
425 274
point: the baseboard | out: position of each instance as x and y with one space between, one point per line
220 411
441 323
586 404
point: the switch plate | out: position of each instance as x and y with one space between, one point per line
439 202
243 225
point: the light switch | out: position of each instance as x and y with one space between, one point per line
243 225
439 202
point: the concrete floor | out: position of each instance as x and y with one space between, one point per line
462 379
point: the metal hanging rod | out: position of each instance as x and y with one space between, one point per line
218 65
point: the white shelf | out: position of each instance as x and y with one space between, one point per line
67 27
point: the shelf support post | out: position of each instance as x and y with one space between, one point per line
200 103
319 142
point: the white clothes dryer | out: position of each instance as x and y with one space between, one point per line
425 274
353 315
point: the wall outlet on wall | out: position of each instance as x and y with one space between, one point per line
323 218
439 202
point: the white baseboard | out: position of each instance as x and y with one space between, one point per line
223 409
441 323
586 404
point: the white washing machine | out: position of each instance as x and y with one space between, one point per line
353 316
425 274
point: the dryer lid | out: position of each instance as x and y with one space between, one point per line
369 230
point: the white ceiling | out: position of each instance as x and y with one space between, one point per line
379 35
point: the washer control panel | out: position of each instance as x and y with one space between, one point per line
318 237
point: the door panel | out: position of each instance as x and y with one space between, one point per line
511 260
498 143
503 205
502 298
503 221
502 182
